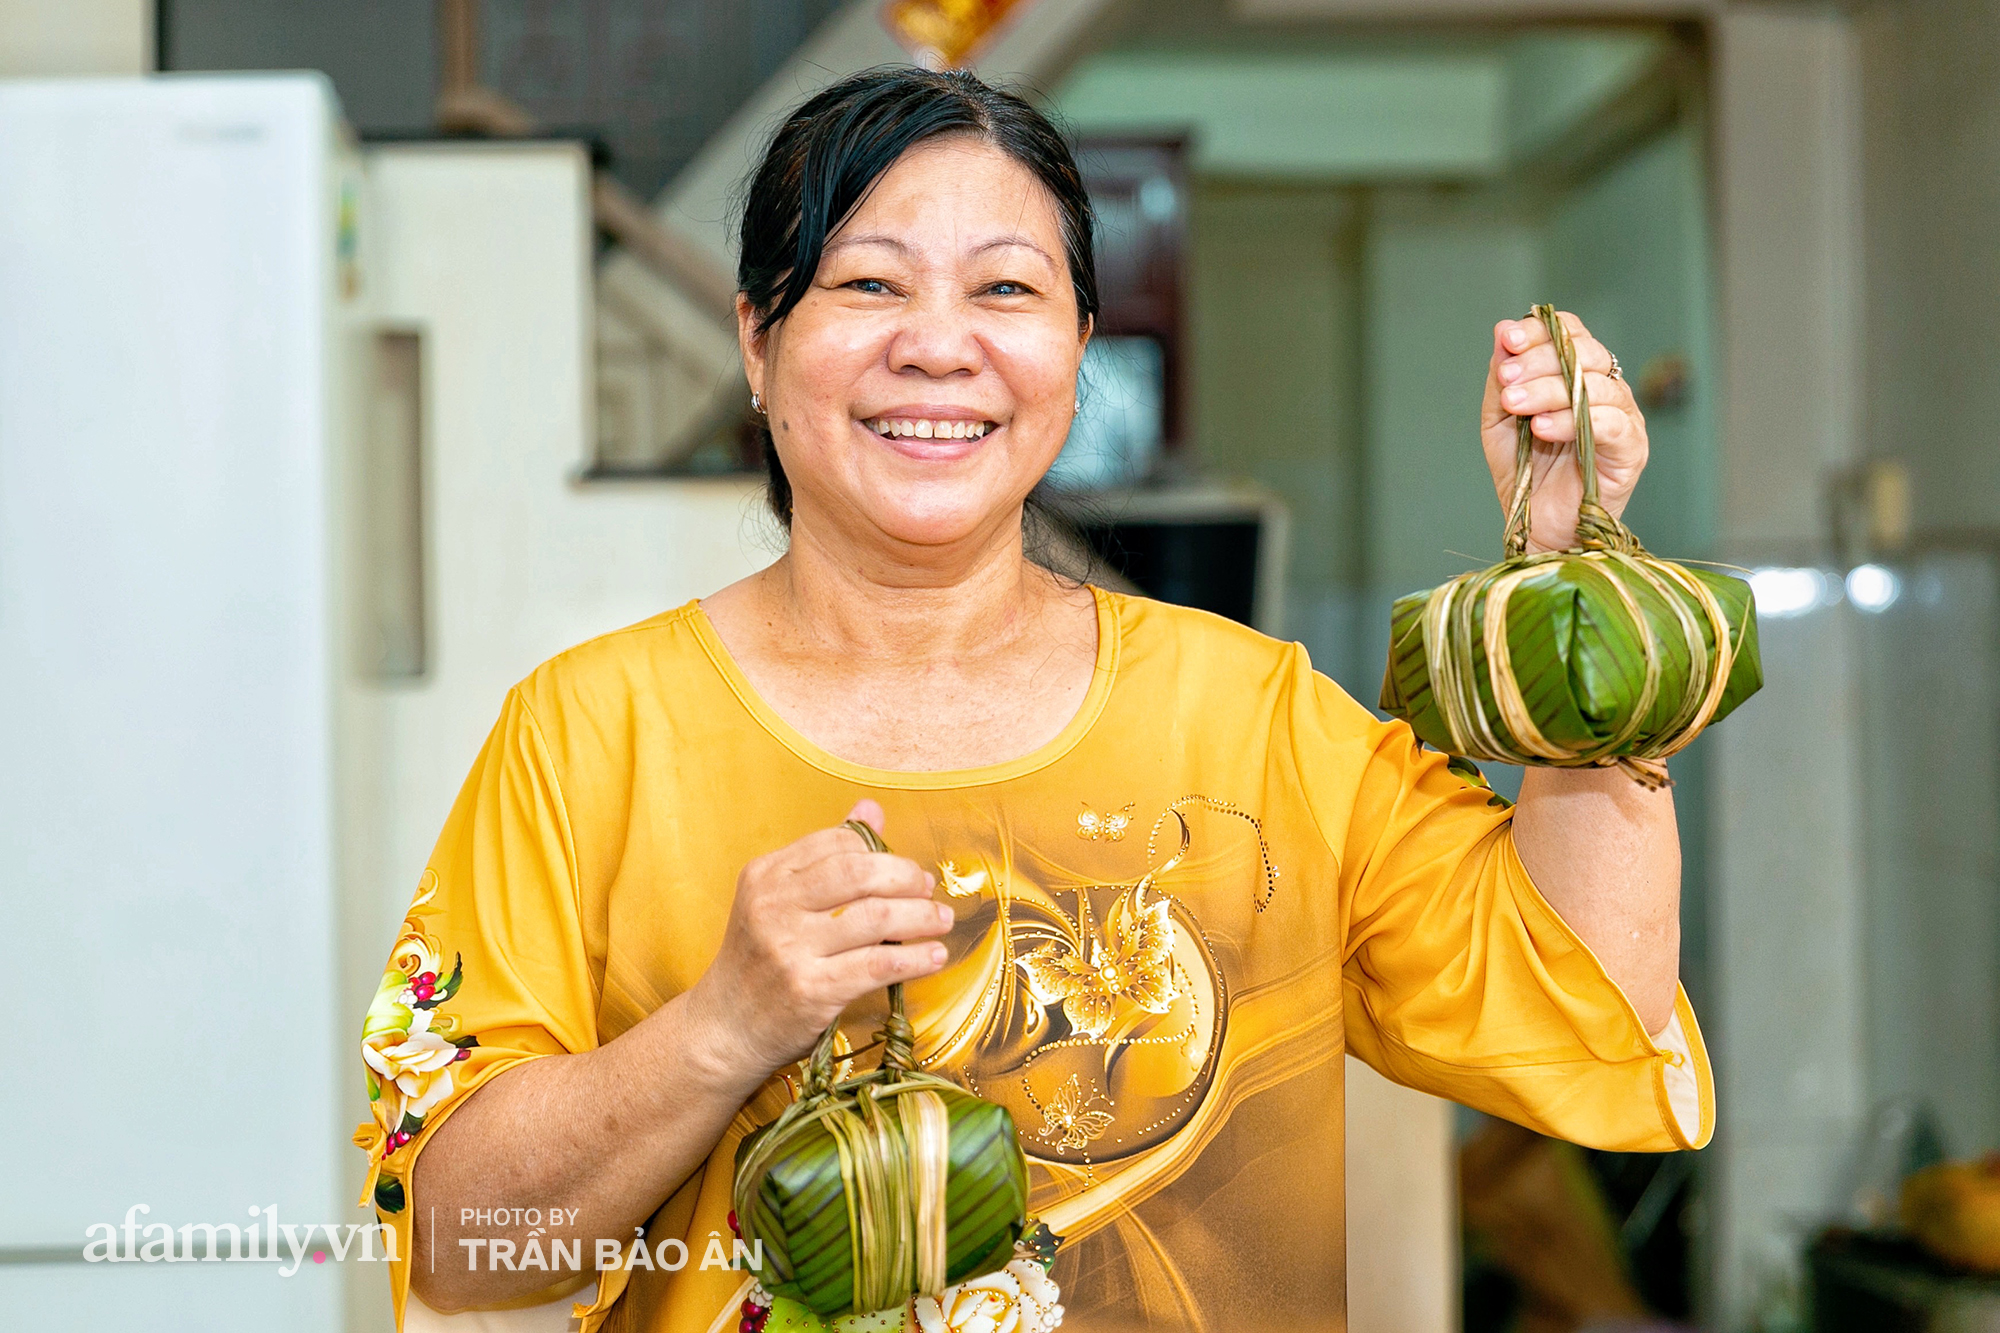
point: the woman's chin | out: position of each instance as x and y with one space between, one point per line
936 516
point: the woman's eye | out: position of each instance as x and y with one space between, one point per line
1008 289
872 286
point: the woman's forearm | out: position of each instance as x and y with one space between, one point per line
604 1137
1605 852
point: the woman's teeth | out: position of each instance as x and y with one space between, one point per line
929 430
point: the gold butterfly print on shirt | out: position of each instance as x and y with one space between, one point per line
1132 964
1067 1118
1109 826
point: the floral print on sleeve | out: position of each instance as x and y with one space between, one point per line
409 1044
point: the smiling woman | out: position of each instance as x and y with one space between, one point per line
1155 873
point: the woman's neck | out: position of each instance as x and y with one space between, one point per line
923 660
910 604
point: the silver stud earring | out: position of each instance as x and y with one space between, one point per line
1076 406
756 403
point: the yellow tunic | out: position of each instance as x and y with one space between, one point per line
1172 920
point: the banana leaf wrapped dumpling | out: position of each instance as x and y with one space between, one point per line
1598 655
892 1184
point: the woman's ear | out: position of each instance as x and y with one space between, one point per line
751 341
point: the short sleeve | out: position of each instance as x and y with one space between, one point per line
1457 978
488 970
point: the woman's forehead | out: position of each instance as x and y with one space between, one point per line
959 194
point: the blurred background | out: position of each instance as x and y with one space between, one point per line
358 355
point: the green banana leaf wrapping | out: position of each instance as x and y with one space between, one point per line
891 1184
1599 655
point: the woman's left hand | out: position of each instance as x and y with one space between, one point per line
1523 379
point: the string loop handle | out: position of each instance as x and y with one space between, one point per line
1596 528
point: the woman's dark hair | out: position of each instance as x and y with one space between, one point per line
825 158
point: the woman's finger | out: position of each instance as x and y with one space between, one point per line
850 875
1534 363
1515 336
1592 355
819 845
1554 427
1546 394
1549 394
1612 427
1577 332
1609 426
1518 335
855 973
1605 391
816 847
872 920
1541 360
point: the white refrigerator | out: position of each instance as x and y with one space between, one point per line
174 276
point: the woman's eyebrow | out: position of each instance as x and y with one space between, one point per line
842 242
1003 242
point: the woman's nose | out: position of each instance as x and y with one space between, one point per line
937 338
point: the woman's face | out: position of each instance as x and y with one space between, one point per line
927 380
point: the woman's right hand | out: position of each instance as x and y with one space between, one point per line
808 934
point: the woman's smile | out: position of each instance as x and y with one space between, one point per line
928 433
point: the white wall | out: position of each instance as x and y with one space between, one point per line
1930 100
1931 118
1786 931
1788 198
485 248
1930 668
1402 1208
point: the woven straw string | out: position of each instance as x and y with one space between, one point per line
927 1128
1481 598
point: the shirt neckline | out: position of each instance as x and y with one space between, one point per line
1109 632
